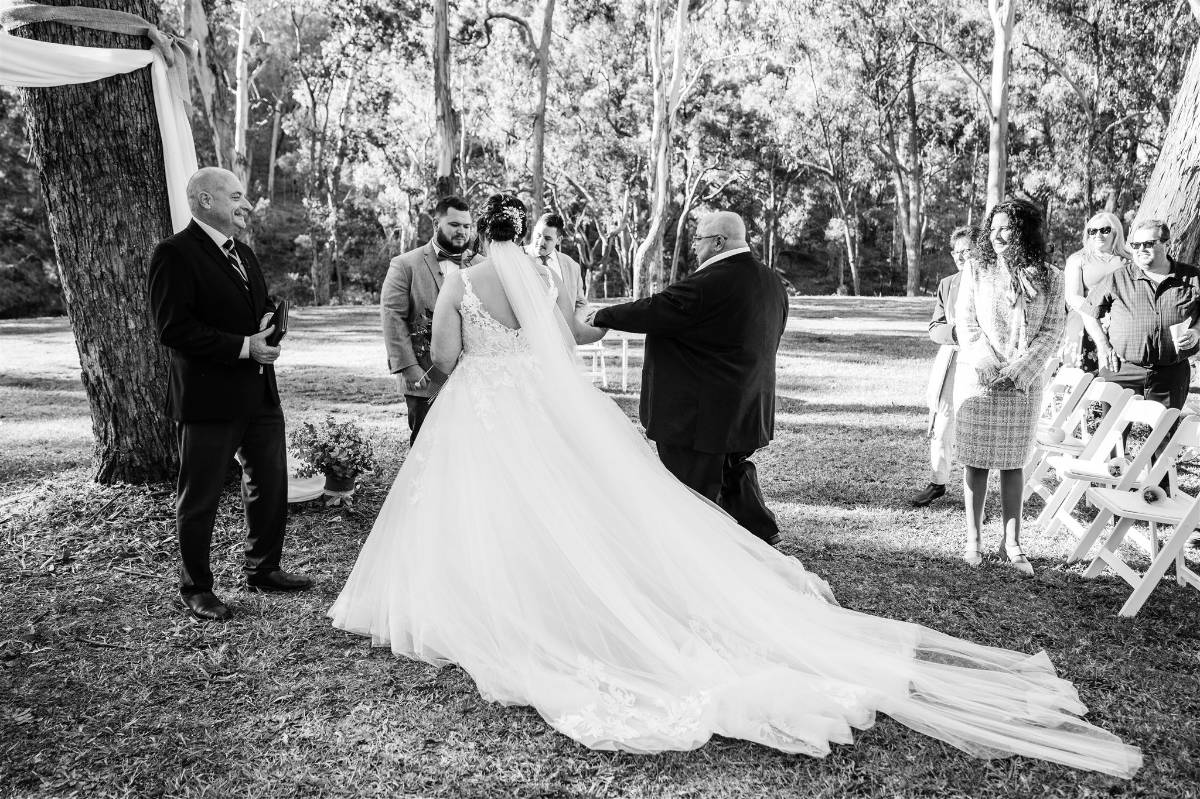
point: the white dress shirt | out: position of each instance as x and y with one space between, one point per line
551 262
722 256
219 239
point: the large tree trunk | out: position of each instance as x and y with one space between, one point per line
241 113
276 131
648 260
213 89
99 155
915 176
1173 194
538 166
1002 13
445 115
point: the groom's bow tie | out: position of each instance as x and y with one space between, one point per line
456 258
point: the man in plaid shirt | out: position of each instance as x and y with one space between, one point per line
1143 301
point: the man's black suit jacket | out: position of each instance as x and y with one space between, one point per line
708 381
203 312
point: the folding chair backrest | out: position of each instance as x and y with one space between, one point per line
1159 418
1098 391
1186 436
1050 370
1067 385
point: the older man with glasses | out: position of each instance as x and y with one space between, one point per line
1153 310
940 394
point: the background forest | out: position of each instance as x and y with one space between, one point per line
853 136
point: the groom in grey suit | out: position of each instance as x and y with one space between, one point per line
406 304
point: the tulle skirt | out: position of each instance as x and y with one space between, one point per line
546 551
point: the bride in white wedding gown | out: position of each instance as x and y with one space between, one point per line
533 538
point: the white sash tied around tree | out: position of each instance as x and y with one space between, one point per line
27 63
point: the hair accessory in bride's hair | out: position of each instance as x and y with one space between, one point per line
503 218
517 218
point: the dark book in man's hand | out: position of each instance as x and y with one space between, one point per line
280 319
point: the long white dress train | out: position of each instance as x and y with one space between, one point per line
533 538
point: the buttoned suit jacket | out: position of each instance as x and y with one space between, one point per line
406 302
203 312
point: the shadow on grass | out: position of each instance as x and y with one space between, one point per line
41 326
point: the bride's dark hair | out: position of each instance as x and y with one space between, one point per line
503 218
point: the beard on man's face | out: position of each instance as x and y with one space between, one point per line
450 247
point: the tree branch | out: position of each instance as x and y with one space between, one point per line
1085 100
522 25
983 93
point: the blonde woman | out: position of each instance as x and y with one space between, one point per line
1103 252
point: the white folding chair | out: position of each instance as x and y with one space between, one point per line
1050 369
1062 392
1076 472
1180 511
1072 436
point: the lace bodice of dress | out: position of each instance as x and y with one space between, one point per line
482 335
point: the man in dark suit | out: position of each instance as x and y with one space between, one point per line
708 380
211 309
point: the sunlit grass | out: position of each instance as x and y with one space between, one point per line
107 689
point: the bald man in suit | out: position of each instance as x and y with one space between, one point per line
211 308
708 379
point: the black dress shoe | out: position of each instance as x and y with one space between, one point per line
278 580
774 540
205 606
931 492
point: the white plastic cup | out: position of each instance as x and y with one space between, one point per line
1177 331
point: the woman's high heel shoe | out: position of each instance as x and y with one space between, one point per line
971 555
1014 556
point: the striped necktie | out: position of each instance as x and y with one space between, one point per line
235 262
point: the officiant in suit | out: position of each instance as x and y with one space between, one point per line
210 306
406 302
547 237
708 379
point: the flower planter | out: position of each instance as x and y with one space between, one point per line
340 485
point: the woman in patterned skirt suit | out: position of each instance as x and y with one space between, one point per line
1010 322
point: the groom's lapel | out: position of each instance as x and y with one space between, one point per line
431 263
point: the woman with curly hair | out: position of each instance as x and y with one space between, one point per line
1010 316
1102 253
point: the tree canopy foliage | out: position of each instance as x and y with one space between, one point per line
853 136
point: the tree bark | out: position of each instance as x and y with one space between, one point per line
916 179
1002 13
208 78
1173 194
647 260
446 116
539 119
240 165
99 157
276 130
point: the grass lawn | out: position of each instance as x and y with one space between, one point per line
108 689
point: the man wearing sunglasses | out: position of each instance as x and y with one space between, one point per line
1153 310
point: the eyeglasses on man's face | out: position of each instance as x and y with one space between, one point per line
1143 245
1099 231
711 236
956 254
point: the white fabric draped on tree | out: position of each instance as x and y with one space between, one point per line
27 63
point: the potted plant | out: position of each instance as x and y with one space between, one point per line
338 450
